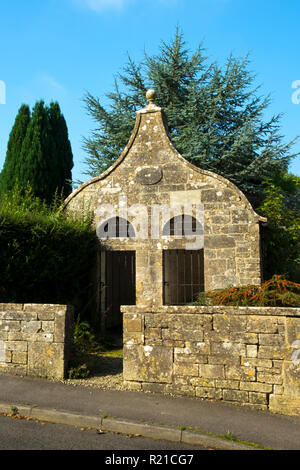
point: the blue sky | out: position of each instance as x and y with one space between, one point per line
59 49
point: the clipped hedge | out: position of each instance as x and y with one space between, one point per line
44 256
276 292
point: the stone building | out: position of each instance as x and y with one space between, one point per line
167 229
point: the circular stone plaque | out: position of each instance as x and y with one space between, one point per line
149 174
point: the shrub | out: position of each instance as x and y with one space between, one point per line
45 257
276 292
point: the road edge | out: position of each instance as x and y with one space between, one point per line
129 427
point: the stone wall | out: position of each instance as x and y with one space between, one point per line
247 356
35 339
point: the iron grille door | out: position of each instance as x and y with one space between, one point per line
183 275
119 284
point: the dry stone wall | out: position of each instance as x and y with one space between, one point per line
247 356
35 339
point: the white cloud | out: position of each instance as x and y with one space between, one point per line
51 81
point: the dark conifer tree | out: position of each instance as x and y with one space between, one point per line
215 116
13 162
63 152
39 153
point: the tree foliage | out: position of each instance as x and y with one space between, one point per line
276 292
13 164
63 151
39 153
214 113
281 236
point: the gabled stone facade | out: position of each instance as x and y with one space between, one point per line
149 184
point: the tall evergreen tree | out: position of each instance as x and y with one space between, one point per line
215 116
63 151
13 163
39 153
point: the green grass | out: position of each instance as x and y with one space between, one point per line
231 437
113 353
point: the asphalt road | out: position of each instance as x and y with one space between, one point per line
21 434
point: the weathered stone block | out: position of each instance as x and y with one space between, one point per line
148 363
256 387
292 330
227 323
218 241
19 358
13 369
17 315
227 348
31 326
268 378
191 358
236 395
183 335
8 308
231 384
186 369
211 371
130 339
60 327
260 325
47 326
17 346
258 363
291 378
228 359
201 382
285 405
271 352
247 374
251 350
46 360
258 398
41 337
9 325
8 356
209 393
271 340
43 312
193 349
157 321
240 216
15 336
134 324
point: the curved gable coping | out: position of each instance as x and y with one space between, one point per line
154 109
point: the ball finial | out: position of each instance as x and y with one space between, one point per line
151 95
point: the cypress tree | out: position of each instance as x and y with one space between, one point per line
63 157
37 155
13 161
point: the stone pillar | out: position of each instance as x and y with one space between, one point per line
149 268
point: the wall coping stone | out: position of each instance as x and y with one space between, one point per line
221 309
